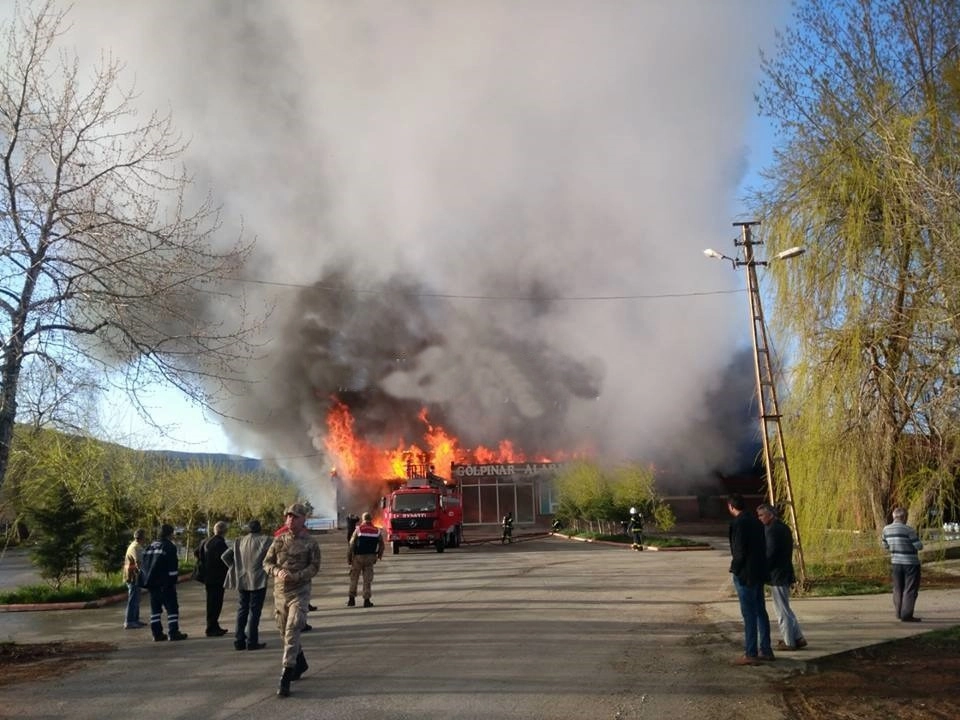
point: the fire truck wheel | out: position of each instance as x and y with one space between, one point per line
396 548
441 545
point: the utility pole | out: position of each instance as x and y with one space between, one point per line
774 450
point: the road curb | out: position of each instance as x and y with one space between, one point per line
627 546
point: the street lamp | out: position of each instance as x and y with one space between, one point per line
774 450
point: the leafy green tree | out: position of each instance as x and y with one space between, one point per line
60 527
865 95
114 510
600 499
633 486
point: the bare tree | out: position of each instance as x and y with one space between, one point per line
100 256
866 97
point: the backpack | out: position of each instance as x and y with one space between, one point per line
200 569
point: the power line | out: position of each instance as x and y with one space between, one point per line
462 296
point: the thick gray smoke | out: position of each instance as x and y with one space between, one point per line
492 208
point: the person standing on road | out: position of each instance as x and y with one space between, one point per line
292 560
782 576
903 544
211 555
748 564
366 547
133 560
245 561
161 569
507 524
635 528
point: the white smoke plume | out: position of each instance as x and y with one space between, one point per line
492 208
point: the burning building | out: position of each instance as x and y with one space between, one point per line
462 208
491 481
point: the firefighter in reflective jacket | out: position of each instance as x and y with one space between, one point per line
366 547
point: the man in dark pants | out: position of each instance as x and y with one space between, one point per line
903 544
748 564
161 568
211 553
245 560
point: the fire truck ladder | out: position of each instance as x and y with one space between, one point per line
774 450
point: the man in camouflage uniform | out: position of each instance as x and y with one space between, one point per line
366 547
292 560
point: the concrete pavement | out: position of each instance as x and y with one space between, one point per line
830 624
834 625
840 624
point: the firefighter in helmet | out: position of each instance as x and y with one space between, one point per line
507 524
635 528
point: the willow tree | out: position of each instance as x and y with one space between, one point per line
103 258
865 95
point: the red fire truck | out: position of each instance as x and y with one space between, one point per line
425 510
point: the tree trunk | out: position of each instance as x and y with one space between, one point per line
8 405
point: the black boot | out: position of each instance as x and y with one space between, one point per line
351 600
301 666
284 689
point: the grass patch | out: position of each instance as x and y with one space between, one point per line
661 541
88 589
671 542
838 586
948 637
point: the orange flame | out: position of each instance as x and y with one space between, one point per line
357 458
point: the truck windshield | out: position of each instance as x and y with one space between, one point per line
414 502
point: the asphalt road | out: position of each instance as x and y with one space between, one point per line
544 628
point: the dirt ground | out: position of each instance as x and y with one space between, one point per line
912 679
20 663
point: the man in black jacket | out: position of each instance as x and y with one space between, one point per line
748 550
780 564
211 553
161 570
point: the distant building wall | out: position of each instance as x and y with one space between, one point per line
526 490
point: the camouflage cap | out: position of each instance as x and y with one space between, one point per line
296 509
